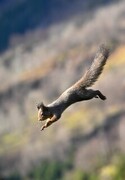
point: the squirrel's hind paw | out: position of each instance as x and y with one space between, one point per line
103 97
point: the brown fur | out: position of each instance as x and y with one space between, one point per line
77 92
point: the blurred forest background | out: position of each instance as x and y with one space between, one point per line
45 46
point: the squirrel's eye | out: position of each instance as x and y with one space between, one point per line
42 114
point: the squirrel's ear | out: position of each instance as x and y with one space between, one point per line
40 105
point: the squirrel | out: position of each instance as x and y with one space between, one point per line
77 92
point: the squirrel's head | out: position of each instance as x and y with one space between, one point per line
43 112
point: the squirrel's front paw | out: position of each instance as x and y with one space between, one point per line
43 127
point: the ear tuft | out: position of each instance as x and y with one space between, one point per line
40 105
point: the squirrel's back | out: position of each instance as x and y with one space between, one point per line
92 74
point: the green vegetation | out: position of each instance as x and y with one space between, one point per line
10 142
49 170
58 170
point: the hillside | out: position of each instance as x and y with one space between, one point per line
18 17
39 66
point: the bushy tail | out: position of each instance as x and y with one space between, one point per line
96 68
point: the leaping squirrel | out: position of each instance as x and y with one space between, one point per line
78 92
